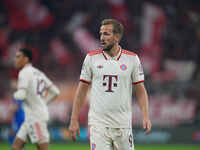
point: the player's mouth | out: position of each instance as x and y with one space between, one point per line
103 43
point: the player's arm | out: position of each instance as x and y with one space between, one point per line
52 93
20 94
51 90
85 79
22 85
142 98
77 105
79 99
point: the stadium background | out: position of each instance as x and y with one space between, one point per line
165 34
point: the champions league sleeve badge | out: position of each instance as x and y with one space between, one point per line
123 67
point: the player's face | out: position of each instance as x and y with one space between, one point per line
107 37
20 60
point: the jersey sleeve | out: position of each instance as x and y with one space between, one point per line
48 82
138 73
23 80
86 72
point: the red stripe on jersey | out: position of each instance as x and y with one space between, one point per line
104 55
85 81
94 52
38 130
138 82
128 52
119 55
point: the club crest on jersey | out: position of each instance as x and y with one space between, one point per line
99 66
123 67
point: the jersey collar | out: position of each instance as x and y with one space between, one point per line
117 57
27 65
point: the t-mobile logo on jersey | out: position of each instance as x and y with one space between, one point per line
110 83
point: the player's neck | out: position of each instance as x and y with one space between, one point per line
25 65
114 51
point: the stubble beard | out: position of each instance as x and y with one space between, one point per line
109 47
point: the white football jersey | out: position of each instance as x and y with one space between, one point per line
36 84
111 81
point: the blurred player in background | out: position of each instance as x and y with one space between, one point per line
35 90
18 119
111 72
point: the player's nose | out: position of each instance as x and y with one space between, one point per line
102 37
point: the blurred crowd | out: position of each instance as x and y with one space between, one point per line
164 33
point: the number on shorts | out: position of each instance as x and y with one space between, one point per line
131 140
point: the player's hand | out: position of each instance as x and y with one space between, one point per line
74 128
147 125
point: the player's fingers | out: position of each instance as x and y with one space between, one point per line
148 129
149 125
72 133
78 132
74 136
89 130
144 125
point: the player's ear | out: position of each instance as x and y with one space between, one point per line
117 37
26 59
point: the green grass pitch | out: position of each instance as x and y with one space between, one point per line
75 146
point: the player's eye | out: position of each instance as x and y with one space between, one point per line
106 33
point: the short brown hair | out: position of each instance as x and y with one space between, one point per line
117 26
27 53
